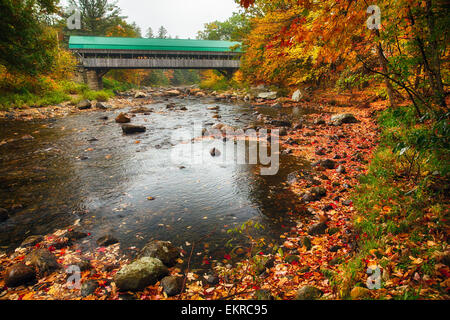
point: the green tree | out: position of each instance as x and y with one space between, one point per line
150 34
27 44
234 29
162 33
97 16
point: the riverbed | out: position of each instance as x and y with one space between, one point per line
82 167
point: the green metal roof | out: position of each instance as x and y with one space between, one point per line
111 43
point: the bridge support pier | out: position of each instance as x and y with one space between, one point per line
94 78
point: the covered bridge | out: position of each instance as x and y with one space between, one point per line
97 55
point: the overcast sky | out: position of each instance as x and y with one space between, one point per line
181 18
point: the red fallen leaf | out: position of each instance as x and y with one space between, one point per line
227 256
89 234
205 261
261 253
51 248
256 287
102 249
444 272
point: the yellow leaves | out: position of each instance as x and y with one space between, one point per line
416 261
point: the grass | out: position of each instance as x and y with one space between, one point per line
64 91
401 194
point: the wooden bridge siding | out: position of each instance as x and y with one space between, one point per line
157 52
158 63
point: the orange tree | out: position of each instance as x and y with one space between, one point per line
298 40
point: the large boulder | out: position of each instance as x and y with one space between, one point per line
339 119
308 293
162 250
141 273
19 274
43 260
84 104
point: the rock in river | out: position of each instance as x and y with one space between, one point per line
172 285
43 260
106 241
84 104
140 274
163 250
130 129
123 118
18 275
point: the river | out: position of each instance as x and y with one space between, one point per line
83 167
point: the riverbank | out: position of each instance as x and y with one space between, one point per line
310 264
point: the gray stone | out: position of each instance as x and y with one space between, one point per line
43 260
172 285
100 105
106 241
19 274
84 104
308 293
141 273
88 288
297 96
270 95
339 119
131 128
162 250
317 229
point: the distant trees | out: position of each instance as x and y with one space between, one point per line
150 34
162 33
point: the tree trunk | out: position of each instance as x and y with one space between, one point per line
384 67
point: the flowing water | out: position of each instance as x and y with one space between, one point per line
83 167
